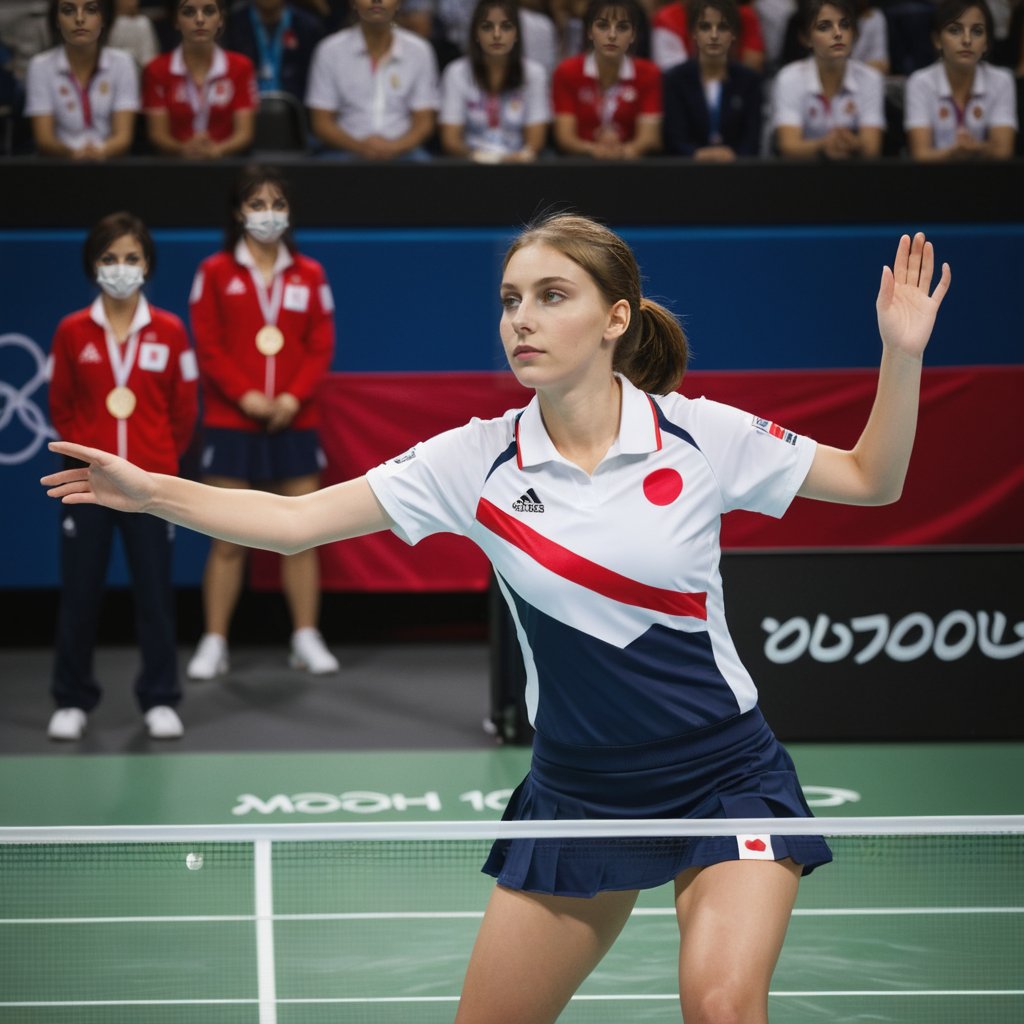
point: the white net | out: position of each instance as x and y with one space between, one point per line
917 920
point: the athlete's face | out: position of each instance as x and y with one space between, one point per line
80 22
612 33
199 21
712 35
496 34
831 35
127 250
557 329
962 43
265 198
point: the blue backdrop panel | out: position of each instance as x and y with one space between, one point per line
426 300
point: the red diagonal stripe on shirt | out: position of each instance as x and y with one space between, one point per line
580 570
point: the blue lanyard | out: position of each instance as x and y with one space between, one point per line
715 118
270 50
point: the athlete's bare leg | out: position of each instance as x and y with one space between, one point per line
732 922
533 952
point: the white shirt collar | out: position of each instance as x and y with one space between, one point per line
627 70
64 67
244 256
639 433
394 50
848 84
977 86
218 69
142 317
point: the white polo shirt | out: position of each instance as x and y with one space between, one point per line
494 123
81 116
798 100
368 100
929 103
612 578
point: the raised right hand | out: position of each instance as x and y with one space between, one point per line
105 480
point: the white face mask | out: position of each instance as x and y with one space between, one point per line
120 280
266 226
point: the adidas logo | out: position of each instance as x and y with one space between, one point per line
90 354
529 502
235 287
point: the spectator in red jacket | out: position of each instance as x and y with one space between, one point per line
608 103
200 100
124 375
263 319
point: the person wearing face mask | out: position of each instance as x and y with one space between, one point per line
123 373
263 321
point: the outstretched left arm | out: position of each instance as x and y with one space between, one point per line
873 471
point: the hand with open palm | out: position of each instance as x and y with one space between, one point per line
906 310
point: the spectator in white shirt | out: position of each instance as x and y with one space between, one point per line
133 32
829 106
961 107
82 96
372 89
495 104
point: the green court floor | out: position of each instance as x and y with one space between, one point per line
902 929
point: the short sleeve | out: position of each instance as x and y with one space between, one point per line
126 83
650 99
154 91
872 112
425 94
538 96
38 94
453 94
758 465
1003 112
563 89
916 102
321 92
435 486
787 98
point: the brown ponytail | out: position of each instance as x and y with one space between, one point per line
652 353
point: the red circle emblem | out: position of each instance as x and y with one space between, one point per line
663 486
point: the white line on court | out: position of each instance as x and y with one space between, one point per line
442 915
609 998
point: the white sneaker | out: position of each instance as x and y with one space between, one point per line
66 724
163 723
310 653
210 659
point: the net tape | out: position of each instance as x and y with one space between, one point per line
946 825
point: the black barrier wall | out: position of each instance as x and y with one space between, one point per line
42 194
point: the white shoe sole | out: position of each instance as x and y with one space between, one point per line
204 677
294 661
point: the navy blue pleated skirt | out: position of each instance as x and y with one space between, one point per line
733 769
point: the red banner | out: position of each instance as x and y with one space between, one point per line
965 487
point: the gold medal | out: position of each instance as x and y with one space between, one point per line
269 340
121 402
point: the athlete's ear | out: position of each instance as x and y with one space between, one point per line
618 320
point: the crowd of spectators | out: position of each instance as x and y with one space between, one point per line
501 80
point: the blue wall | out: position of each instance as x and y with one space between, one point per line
425 299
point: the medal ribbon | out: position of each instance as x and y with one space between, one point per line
270 48
609 104
270 306
122 361
84 98
199 101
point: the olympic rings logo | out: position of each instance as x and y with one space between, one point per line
17 402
